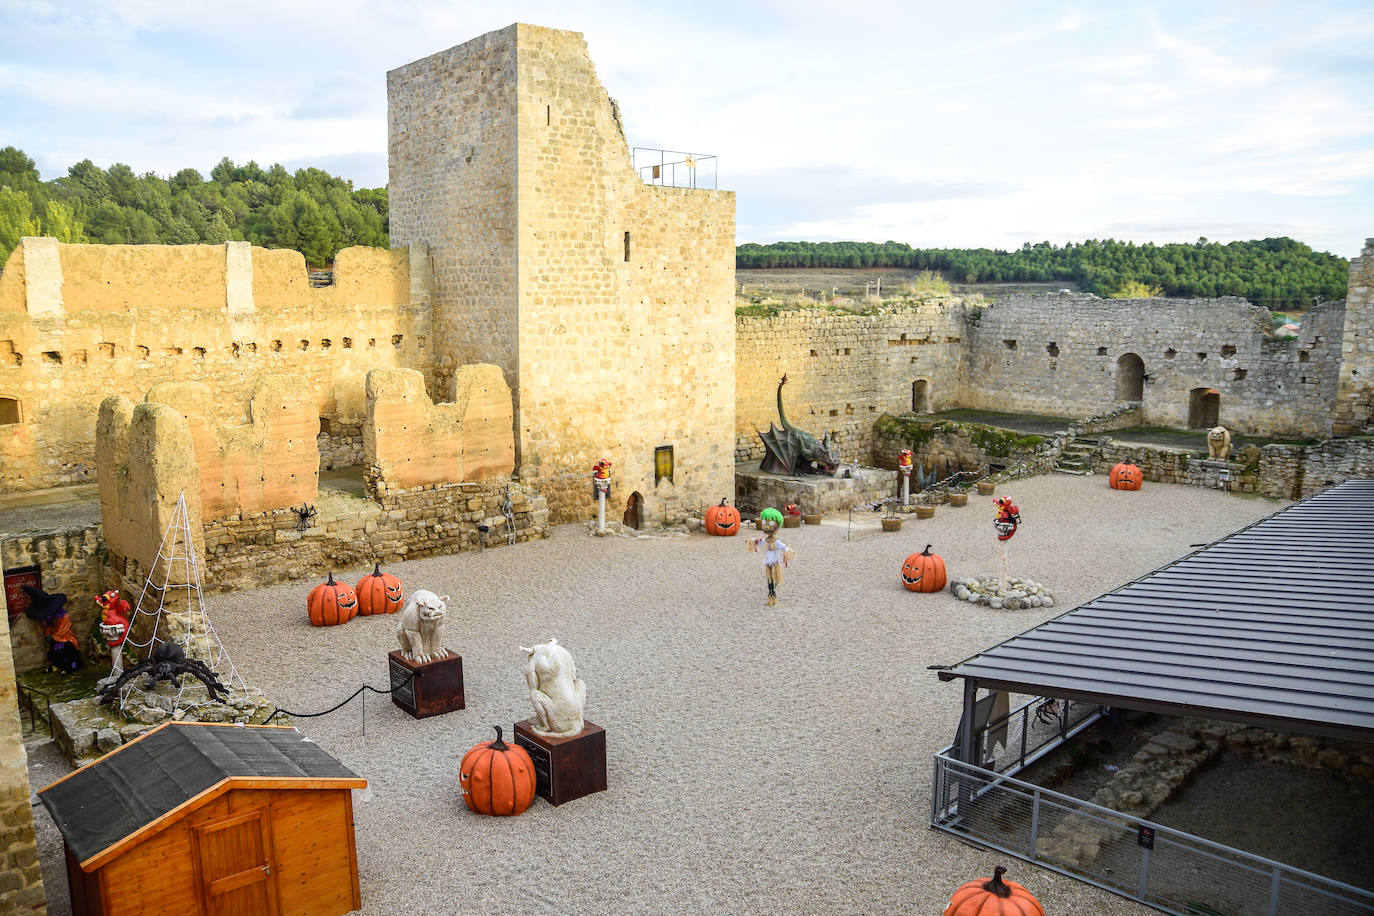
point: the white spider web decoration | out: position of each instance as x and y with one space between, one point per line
175 548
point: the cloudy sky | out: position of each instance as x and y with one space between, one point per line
938 124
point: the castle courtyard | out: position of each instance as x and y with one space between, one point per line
760 759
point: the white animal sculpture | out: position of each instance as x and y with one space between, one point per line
556 691
419 626
1218 443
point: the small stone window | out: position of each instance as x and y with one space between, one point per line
348 343
9 411
814 353
1304 356
9 356
52 358
627 246
276 346
396 340
1228 350
1170 353
1009 344
143 351
326 343
198 352
1201 357
326 427
1101 351
108 349
1240 374
1052 349
303 346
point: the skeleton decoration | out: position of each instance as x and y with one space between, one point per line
419 626
793 451
556 691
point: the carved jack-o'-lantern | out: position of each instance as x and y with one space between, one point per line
331 603
379 593
1125 477
722 520
923 572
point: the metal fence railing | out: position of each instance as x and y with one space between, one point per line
1164 868
1010 743
35 711
674 169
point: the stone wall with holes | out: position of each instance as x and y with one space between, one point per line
70 560
607 303
81 322
340 443
1070 355
21 882
347 536
1355 404
844 371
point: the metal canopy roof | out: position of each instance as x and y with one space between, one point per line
1273 625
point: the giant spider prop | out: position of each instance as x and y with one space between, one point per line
168 662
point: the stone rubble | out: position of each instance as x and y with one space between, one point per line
1020 593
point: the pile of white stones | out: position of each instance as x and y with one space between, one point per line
1020 593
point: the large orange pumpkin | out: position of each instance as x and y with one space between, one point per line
379 593
496 777
923 572
722 520
1125 477
993 897
332 603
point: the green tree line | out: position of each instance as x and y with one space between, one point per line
1279 273
311 211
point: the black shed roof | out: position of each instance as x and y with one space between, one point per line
104 806
1272 625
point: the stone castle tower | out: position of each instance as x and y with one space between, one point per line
607 302
1355 398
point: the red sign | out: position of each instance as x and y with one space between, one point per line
15 597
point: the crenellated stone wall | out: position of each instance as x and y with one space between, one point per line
81 322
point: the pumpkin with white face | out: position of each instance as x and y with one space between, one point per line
379 593
331 603
923 572
722 520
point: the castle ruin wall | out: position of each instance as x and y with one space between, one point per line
81 322
1355 387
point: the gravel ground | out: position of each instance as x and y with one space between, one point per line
760 759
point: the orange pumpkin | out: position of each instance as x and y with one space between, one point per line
993 897
722 520
1125 477
923 572
496 777
331 603
379 593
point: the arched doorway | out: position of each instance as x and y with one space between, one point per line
1130 378
634 512
1204 408
920 396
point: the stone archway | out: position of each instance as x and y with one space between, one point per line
920 396
1130 378
1204 408
634 512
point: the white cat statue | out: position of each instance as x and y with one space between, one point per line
556 691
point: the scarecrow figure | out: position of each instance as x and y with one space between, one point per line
776 554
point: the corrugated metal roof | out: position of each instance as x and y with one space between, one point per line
1273 625
132 787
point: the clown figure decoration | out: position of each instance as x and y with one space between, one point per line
776 554
113 626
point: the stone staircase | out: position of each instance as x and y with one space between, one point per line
1077 457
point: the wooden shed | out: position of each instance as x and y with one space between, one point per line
210 819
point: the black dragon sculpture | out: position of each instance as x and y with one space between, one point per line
792 451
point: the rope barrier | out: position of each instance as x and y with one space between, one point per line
336 706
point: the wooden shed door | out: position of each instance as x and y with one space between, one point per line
236 865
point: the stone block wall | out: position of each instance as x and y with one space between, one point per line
409 441
1355 396
267 463
340 443
71 560
81 322
944 447
608 303
250 550
21 882
1062 354
844 371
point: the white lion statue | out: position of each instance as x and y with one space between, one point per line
419 626
1218 443
556 691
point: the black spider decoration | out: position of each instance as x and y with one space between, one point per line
1048 711
306 513
167 663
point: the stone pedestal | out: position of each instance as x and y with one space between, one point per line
436 688
566 768
818 494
